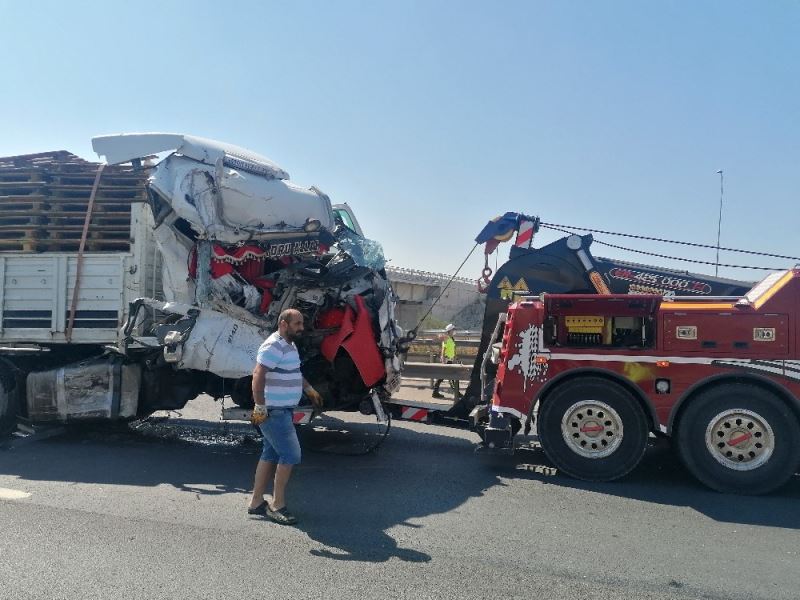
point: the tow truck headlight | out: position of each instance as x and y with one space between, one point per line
662 386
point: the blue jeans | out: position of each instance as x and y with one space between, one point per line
281 445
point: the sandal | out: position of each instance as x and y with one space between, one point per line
281 516
261 509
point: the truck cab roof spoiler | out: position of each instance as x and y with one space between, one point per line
125 147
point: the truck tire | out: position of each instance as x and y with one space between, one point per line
739 439
593 429
242 393
8 401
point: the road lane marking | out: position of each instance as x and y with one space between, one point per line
9 494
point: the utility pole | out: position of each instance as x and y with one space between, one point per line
719 222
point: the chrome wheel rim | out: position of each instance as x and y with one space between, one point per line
740 439
592 429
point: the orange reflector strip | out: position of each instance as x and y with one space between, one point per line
697 306
662 363
540 360
771 291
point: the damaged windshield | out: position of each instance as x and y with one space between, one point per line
364 252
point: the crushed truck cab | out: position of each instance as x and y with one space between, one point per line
241 243
212 242
599 373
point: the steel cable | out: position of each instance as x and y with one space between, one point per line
569 229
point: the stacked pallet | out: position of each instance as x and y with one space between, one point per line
44 200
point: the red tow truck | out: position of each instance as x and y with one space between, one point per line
598 374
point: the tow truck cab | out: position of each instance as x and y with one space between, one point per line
720 375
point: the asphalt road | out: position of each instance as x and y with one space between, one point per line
159 512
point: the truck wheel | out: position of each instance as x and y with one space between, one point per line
739 439
593 429
8 401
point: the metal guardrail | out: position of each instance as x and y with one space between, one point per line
425 370
461 334
427 350
417 276
422 361
437 344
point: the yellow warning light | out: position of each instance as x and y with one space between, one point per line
540 360
662 363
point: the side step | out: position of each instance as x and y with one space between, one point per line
430 413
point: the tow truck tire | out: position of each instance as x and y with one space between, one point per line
765 432
8 401
593 429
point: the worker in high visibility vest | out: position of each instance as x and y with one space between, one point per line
448 357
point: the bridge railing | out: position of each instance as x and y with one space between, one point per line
422 361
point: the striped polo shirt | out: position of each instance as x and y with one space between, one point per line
284 382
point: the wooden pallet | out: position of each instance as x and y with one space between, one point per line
44 199
81 178
95 233
87 178
103 191
14 206
29 209
55 220
65 233
55 157
22 188
15 219
34 245
18 175
21 234
16 203
70 192
57 202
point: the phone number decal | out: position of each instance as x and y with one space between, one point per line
664 281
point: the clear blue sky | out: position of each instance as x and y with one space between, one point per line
431 117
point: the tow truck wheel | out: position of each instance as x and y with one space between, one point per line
8 403
592 429
740 439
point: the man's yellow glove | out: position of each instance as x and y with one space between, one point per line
259 414
316 399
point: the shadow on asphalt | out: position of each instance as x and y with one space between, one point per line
661 478
349 503
346 503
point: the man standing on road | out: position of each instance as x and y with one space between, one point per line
448 357
277 388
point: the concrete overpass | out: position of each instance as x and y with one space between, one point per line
417 290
